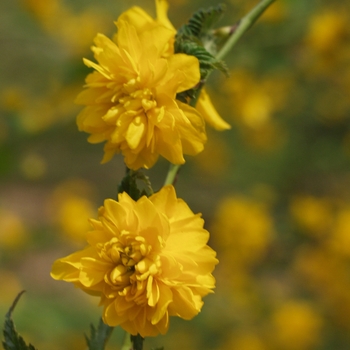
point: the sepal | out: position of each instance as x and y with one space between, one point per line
98 337
12 340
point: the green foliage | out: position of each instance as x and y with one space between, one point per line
98 337
206 60
202 22
129 184
196 38
12 340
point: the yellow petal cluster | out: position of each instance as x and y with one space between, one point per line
130 97
146 259
141 21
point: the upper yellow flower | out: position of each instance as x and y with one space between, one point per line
147 260
130 97
142 21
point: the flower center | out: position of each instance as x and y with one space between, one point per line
136 101
126 256
134 264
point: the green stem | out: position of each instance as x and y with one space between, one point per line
244 24
171 176
127 345
137 342
132 342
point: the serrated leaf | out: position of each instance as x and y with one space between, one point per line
202 21
98 337
12 340
207 62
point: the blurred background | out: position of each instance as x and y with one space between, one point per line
274 190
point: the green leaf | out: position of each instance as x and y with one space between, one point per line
98 337
202 21
207 61
129 184
12 340
197 38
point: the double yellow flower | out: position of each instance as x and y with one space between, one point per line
130 97
146 260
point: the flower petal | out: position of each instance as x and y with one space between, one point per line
209 113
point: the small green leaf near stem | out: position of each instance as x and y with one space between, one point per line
12 340
98 336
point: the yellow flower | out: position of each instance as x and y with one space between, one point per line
313 215
142 21
296 325
130 98
147 260
245 230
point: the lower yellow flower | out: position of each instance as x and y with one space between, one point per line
147 260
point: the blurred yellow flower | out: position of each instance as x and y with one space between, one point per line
327 30
275 13
313 215
296 326
13 233
243 228
147 260
340 239
71 205
255 102
60 21
130 98
244 340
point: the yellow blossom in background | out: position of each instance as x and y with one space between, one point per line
255 102
13 234
73 30
327 30
296 326
276 13
325 273
243 229
147 260
326 43
130 98
71 206
244 341
313 215
340 238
